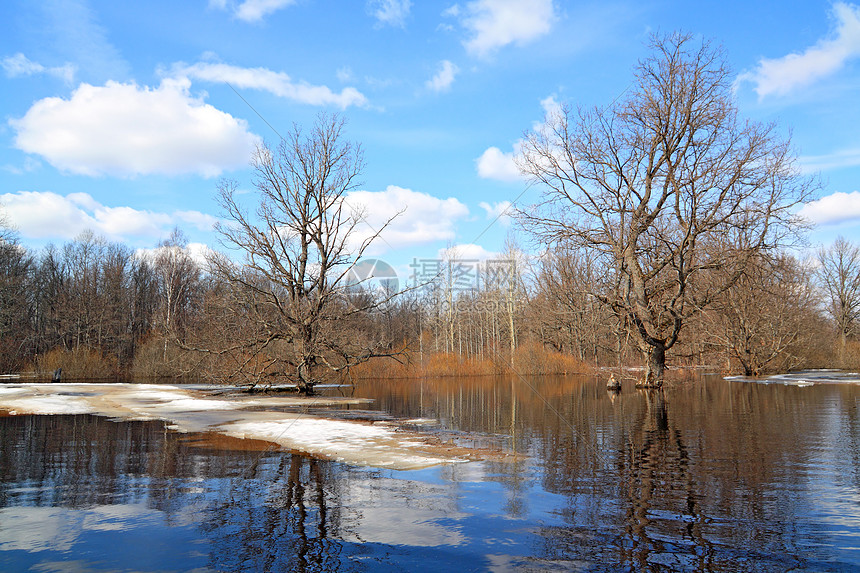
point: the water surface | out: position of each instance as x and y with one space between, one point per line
709 475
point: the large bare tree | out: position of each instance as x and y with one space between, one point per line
664 186
295 317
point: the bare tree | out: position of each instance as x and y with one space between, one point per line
566 308
664 186
839 274
178 277
16 302
293 312
766 315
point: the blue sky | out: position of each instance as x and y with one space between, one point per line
121 117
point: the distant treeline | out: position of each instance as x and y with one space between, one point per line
99 310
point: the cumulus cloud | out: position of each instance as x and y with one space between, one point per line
390 12
496 164
833 209
551 109
251 10
500 165
780 76
47 215
124 129
19 65
494 24
277 83
443 79
422 218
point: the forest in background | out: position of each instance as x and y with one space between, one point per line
99 310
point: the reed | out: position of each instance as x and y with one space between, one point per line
529 359
81 363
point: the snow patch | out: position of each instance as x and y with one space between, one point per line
190 410
804 378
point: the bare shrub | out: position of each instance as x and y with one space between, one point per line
81 363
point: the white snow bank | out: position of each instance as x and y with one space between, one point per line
804 378
189 410
345 441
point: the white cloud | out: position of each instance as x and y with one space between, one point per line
344 74
390 12
496 164
466 252
497 23
551 109
117 221
443 79
500 165
498 211
254 10
47 215
199 220
424 218
277 83
30 164
251 10
837 160
199 253
19 65
780 76
124 130
832 209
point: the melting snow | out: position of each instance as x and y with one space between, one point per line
190 410
805 378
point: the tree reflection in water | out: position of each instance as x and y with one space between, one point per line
256 511
295 529
704 475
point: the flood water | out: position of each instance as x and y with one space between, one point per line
707 475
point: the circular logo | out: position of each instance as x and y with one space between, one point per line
374 276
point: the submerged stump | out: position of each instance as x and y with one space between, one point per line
612 384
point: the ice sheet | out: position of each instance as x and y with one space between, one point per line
805 378
191 410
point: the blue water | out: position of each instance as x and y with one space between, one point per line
710 475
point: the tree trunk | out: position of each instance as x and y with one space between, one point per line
843 344
655 365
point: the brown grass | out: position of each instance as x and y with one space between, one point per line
528 359
80 363
150 361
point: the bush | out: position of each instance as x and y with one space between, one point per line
151 361
80 363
